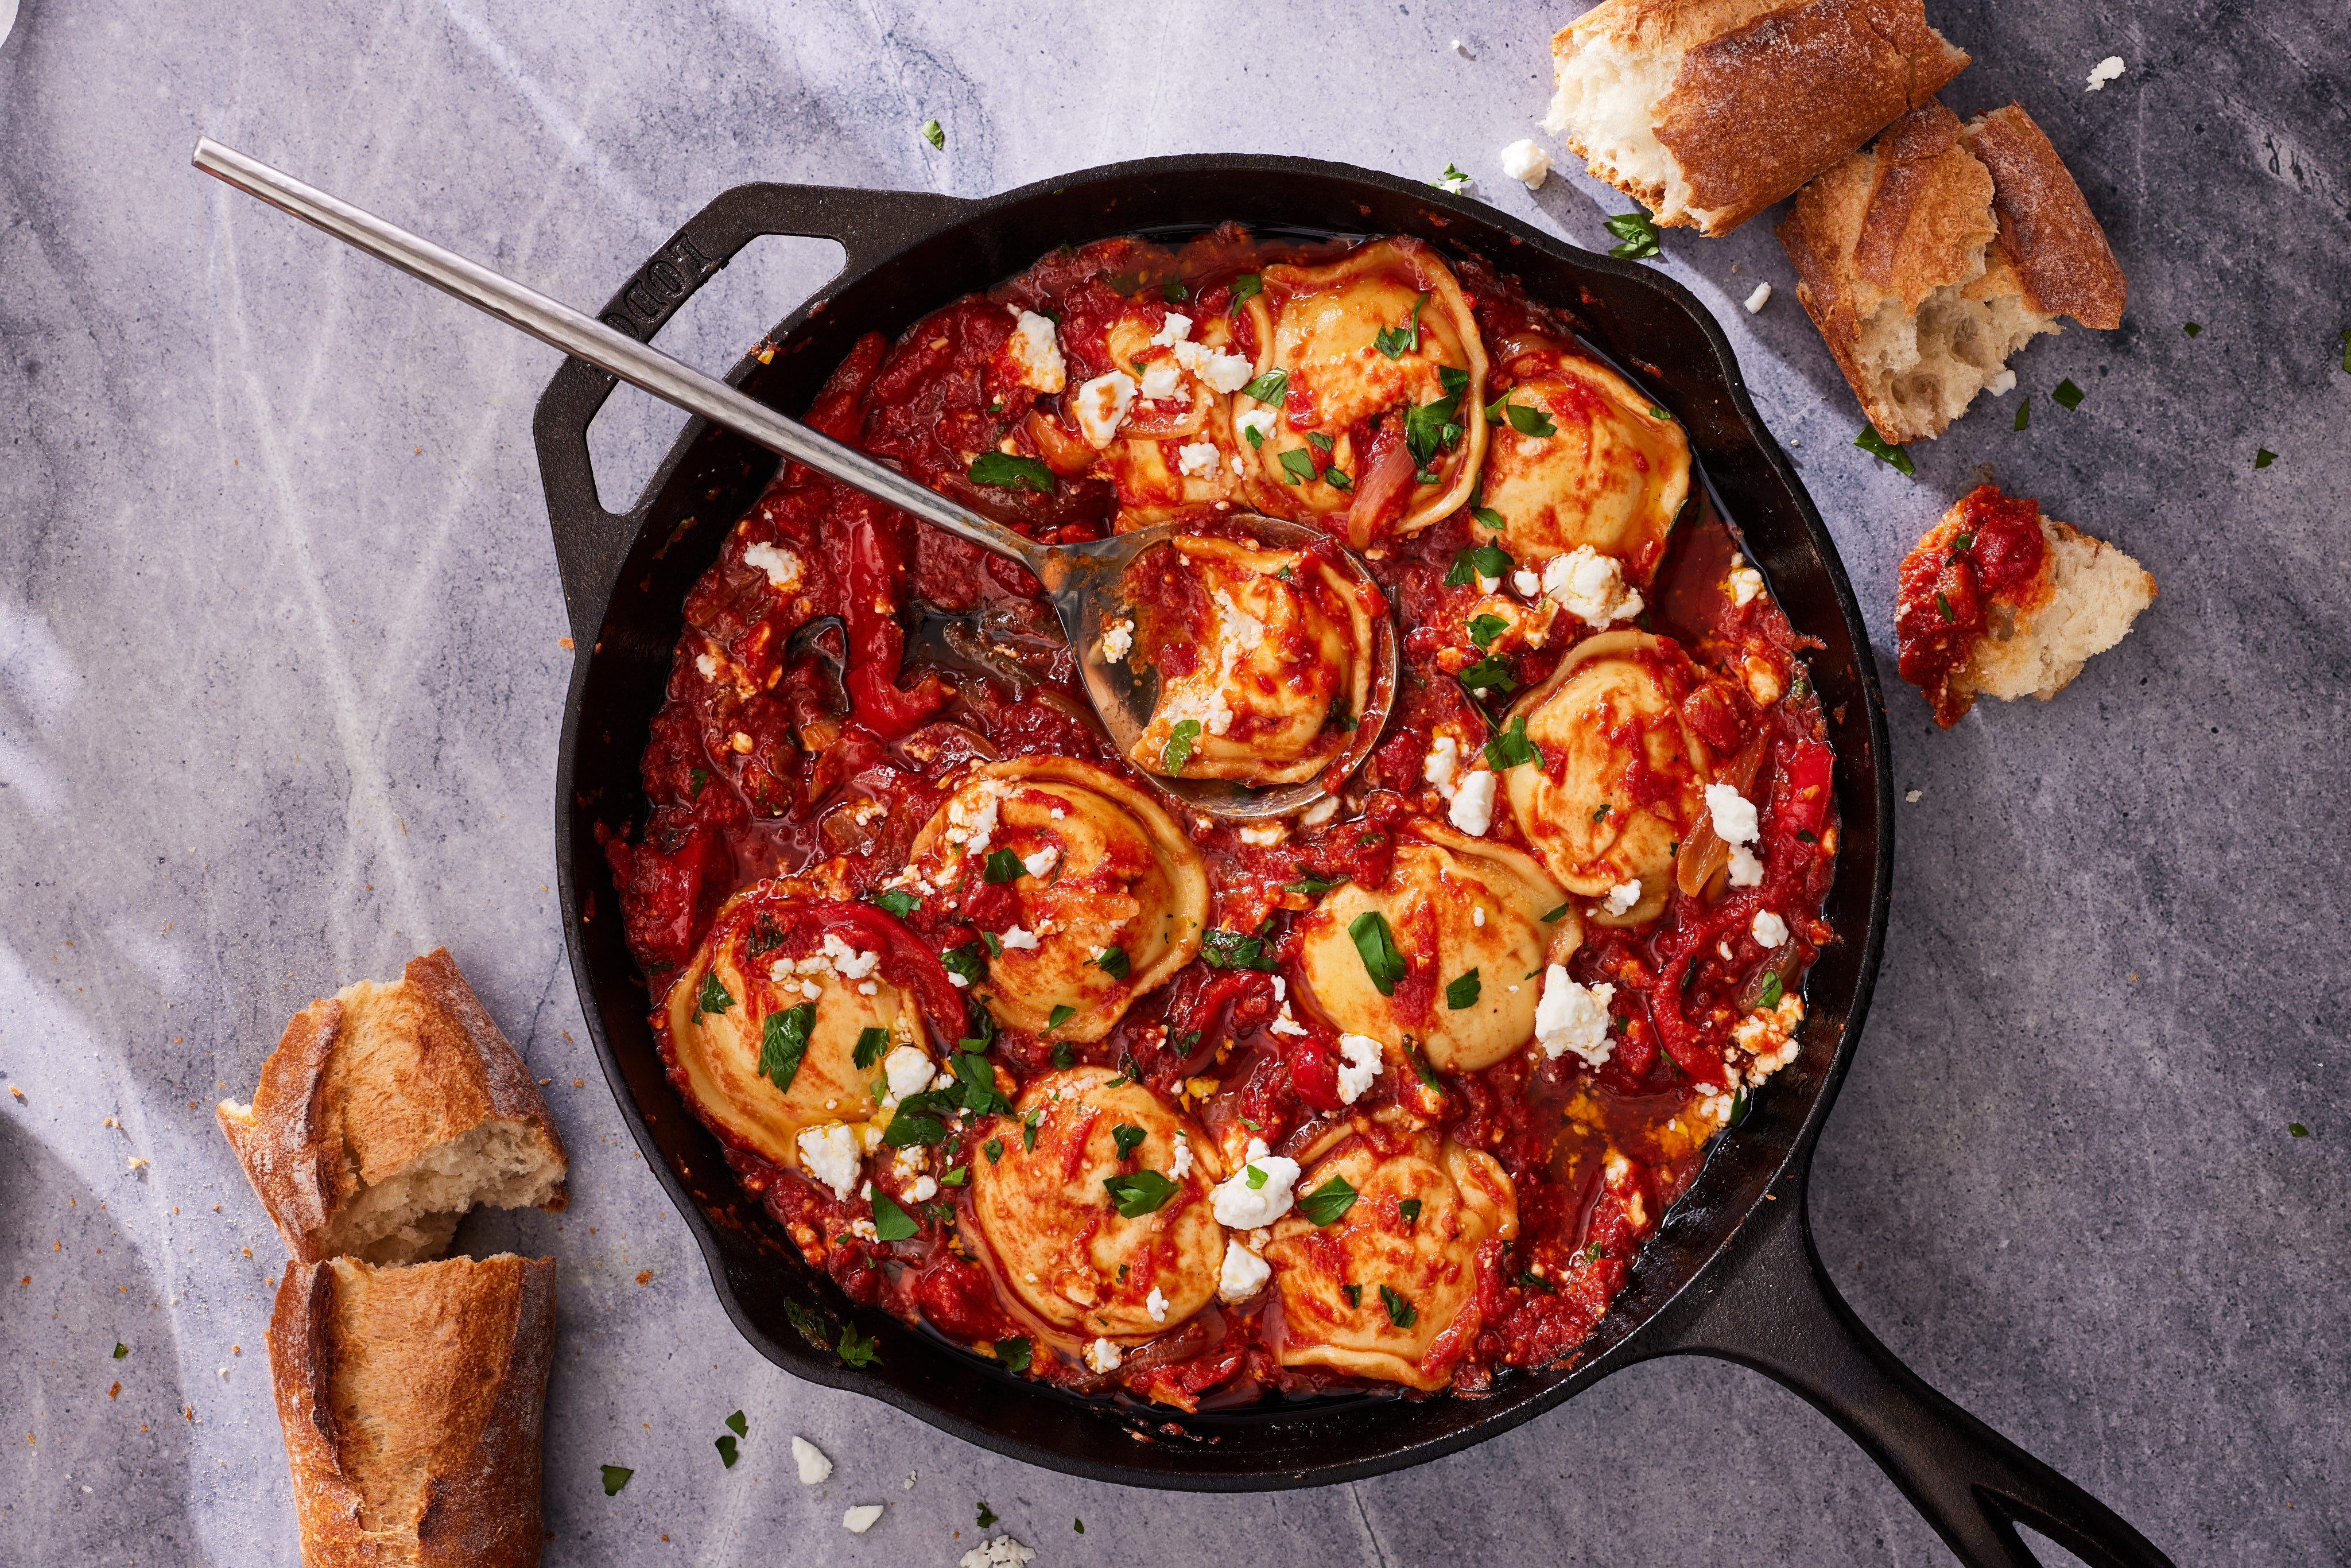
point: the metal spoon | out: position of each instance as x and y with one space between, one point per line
1082 580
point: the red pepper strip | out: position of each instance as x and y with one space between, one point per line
1807 775
877 573
1681 1041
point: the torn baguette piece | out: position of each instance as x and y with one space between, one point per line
389 1111
1998 601
1707 111
413 1404
1929 259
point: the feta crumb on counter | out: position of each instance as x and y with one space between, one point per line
1733 814
2105 71
1243 1275
1240 1207
784 570
814 1466
861 1517
1473 804
1361 1062
1759 299
1526 163
1914 796
1570 1017
829 1153
997 1552
1767 929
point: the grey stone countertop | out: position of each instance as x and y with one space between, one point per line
280 679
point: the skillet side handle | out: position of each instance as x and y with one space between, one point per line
1774 1308
591 543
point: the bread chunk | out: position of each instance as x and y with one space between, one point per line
413 1402
1931 259
389 1111
2094 592
1707 111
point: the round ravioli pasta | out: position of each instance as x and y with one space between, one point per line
1381 378
1109 900
1456 907
1058 1241
1264 660
1177 453
1621 779
1414 1312
1612 474
733 1025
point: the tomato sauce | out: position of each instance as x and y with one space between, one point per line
841 661
1986 554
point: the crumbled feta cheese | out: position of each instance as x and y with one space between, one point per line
1118 641
1453 182
1477 915
1526 582
1176 327
1744 582
814 1466
1181 1165
958 980
1264 835
863 1229
861 1517
1473 804
2105 71
1733 814
1287 1024
1320 813
829 1153
1196 459
1624 896
997 1552
1156 1305
847 961
1036 353
1164 382
1257 419
924 1189
972 817
1526 163
1103 1356
1759 299
1222 371
1442 763
1591 587
708 665
1240 1207
1017 940
1574 1017
1746 869
868 989
1042 862
2002 384
1243 1275
1361 1062
784 570
908 1068
1101 406
1767 929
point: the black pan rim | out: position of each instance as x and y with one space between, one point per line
1539 1390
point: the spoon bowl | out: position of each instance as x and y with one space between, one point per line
1083 581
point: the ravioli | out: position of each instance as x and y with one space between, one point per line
1061 1246
1176 452
1109 898
1264 658
1457 906
716 1036
1359 345
1621 779
1421 1271
1612 476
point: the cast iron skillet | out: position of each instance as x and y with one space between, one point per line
1731 1272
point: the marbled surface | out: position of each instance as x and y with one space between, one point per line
279 682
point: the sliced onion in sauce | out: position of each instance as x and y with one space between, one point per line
1703 854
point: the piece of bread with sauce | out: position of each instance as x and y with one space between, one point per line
1707 111
389 1111
413 1402
1931 259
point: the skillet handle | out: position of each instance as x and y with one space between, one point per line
591 543
1770 1305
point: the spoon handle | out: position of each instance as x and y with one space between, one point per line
583 335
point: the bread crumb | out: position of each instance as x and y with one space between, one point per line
1912 797
2105 71
813 1466
1759 299
863 1518
644 1276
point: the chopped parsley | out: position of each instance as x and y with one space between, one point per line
1313 886
2024 410
1484 628
725 1446
956 1175
1255 1176
615 1478
1489 563
1113 962
892 1223
1064 1057
1637 236
2263 457
1139 1194
1452 181
935 134
1524 420
2067 396
783 1042
1410 1209
1268 386
1354 1294
812 1326
1401 1312
1434 426
1491 673
1943 607
1003 865
857 1349
695 778
1299 464
1329 1203
1738 1107
2296 1129
1246 287
713 998
120 1350
965 961
1221 949
1006 472
913 1125
1511 748
1877 446
1770 995
1179 744
1126 1135
871 1044
1397 341
2193 328
1375 944
1554 915
1463 992
1319 442
1029 1129
1340 717
1337 479
993 1149
1061 1014
1174 292
987 1516
1014 1355
896 902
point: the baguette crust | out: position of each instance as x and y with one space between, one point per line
2047 232
1764 94
365 1084
413 1402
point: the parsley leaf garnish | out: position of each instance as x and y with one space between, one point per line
1770 997
1397 341
1354 1294
1180 740
892 1223
1113 962
1375 945
2067 394
1126 1134
1401 1313
1524 420
1139 1194
1329 1203
871 1043
857 1349
1246 287
896 902
713 998
1877 446
1492 562
1003 865
783 1041
1512 747
1061 1014
1268 386
1013 1355
695 778
1029 1130
2263 457
1007 472
993 1149
935 134
965 961
1489 674
1484 628
1637 234
1410 1209
2024 410
1221 949
615 1478
1463 992
987 1516
1312 886
1299 465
